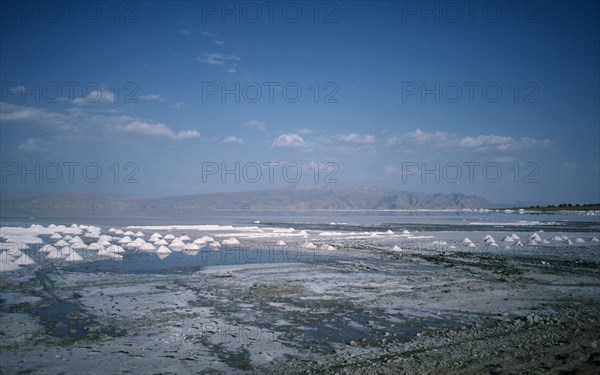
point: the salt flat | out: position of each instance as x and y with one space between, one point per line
362 300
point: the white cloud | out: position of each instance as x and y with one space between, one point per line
219 42
484 142
257 125
421 137
480 143
153 97
33 145
232 70
179 105
502 143
15 113
209 34
357 138
183 32
217 58
102 96
157 130
80 121
292 141
232 139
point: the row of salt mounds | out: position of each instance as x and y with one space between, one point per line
11 259
308 245
512 238
489 240
468 243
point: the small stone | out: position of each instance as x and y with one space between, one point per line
352 343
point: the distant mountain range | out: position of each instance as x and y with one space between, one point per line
293 198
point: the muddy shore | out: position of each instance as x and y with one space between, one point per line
369 311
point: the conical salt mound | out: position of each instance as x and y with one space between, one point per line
24 260
231 241
147 247
115 249
191 247
163 250
47 249
73 257
7 266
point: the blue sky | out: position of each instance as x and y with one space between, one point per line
499 100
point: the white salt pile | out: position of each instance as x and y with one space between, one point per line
191 247
109 254
177 245
7 265
536 237
231 241
163 250
124 240
147 247
131 245
55 254
308 245
396 248
47 248
281 243
24 260
95 246
115 249
73 257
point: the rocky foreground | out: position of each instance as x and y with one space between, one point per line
367 310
